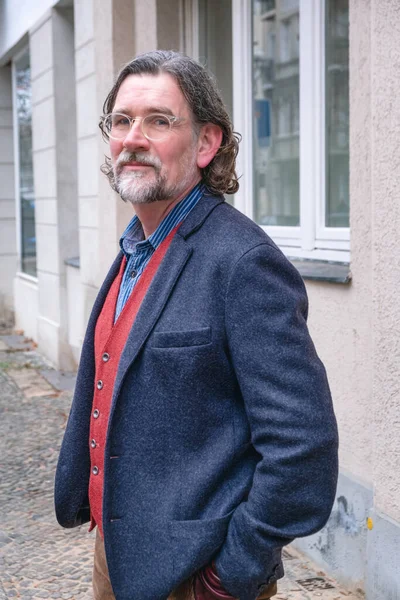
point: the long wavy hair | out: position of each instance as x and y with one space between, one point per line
204 99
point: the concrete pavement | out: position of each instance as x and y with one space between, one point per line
38 559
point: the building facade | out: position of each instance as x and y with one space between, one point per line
312 86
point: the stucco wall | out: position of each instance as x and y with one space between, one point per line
356 328
385 140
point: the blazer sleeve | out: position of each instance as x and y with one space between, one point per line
288 404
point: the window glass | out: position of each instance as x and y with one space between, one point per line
337 112
276 112
24 162
215 50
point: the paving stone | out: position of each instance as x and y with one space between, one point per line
60 380
31 383
17 342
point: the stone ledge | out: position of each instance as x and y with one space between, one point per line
73 262
322 270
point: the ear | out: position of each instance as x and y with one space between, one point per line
209 141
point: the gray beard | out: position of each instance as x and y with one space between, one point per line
126 185
131 189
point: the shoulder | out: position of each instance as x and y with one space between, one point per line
247 250
229 230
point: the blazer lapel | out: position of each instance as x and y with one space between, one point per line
153 303
100 299
161 287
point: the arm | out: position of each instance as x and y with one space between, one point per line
289 408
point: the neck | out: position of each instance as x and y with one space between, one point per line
151 215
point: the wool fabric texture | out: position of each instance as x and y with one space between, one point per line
138 250
221 418
109 342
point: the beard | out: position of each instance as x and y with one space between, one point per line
137 188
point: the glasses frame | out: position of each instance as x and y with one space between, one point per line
173 120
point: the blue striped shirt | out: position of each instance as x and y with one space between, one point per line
138 250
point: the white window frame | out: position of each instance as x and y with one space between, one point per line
312 239
20 273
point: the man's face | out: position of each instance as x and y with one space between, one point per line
148 171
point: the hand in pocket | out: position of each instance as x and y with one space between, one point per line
207 585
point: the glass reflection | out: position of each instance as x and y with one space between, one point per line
27 197
337 113
276 111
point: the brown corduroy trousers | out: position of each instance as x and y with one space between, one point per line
102 589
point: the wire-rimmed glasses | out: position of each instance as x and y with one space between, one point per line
154 127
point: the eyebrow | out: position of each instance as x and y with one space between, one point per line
151 109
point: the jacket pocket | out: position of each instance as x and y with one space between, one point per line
181 339
195 543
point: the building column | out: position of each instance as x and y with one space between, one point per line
54 163
8 249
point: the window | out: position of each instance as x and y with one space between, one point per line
293 113
23 162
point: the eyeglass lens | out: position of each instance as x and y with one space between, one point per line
155 126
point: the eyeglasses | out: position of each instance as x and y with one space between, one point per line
154 127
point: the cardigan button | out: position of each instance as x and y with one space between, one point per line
96 413
93 444
105 357
95 470
100 384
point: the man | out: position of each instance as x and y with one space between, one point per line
201 438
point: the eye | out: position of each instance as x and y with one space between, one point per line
158 121
119 121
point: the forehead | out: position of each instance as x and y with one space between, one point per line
141 92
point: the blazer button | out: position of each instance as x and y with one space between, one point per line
95 470
100 384
105 357
93 444
96 413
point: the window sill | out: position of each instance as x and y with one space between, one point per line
73 262
27 277
322 270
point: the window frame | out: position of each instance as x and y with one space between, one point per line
17 187
312 239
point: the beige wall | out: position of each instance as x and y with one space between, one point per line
385 179
357 327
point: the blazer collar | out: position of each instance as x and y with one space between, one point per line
199 214
159 291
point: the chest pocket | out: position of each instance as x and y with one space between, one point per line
181 339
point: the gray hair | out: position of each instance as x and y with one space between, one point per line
204 99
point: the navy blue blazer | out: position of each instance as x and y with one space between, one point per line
221 418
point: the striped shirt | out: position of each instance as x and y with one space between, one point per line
139 250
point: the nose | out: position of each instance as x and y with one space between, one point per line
135 140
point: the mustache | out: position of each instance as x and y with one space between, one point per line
128 157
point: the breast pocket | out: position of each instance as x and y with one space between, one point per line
181 339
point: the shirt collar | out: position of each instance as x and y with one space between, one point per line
133 238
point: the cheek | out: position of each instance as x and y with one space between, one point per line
115 149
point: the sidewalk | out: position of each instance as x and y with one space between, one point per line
38 559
